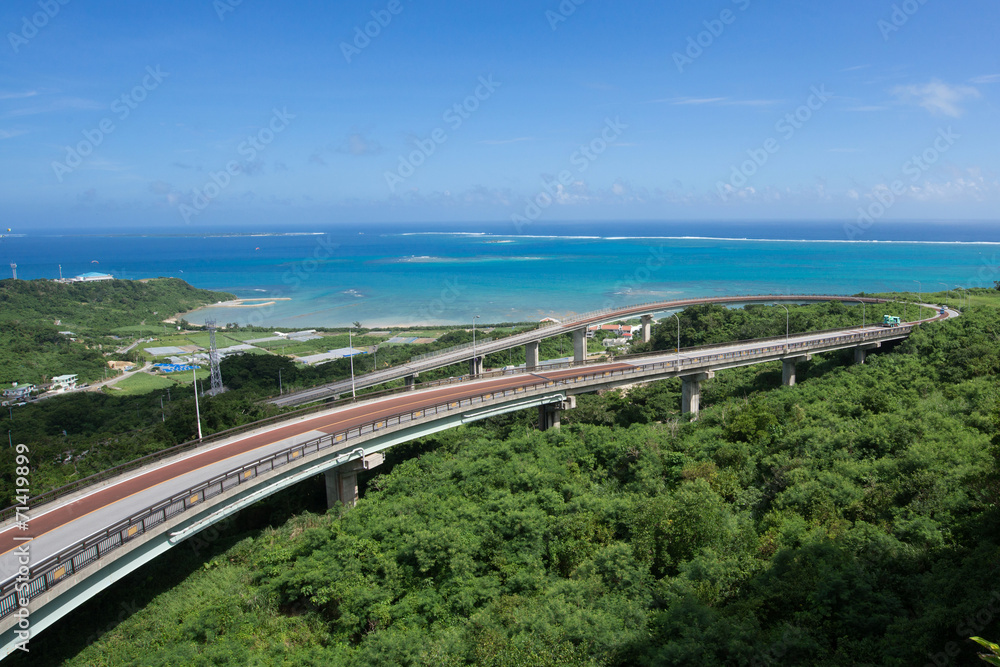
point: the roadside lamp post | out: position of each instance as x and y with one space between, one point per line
678 336
920 296
965 297
197 410
279 382
786 326
350 345
475 362
946 290
862 312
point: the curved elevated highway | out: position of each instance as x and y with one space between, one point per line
530 339
74 545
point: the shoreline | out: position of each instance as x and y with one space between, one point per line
234 303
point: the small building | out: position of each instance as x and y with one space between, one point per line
121 365
19 392
63 383
92 276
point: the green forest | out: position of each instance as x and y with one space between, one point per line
100 306
33 312
850 520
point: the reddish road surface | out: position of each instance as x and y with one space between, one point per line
341 420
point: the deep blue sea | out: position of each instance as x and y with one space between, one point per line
422 273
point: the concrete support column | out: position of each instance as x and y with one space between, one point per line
861 352
476 366
531 355
548 415
788 369
342 481
647 328
691 392
411 381
580 345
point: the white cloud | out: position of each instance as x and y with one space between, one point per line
987 78
937 97
8 134
18 96
500 142
717 101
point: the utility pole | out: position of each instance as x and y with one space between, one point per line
213 360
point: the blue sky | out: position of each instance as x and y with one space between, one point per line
196 113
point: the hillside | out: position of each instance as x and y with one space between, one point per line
101 306
31 347
849 520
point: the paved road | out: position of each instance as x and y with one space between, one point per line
458 355
105 506
66 522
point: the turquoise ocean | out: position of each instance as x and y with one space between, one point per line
387 275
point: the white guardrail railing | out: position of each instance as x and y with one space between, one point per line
48 573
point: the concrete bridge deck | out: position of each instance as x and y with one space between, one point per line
82 543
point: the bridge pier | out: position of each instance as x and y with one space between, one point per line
861 351
647 328
476 366
411 381
548 415
531 356
342 481
691 392
580 345
788 369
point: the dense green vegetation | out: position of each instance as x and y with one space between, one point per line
711 323
31 348
100 306
850 520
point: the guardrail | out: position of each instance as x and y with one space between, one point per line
55 494
43 576
551 329
449 350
